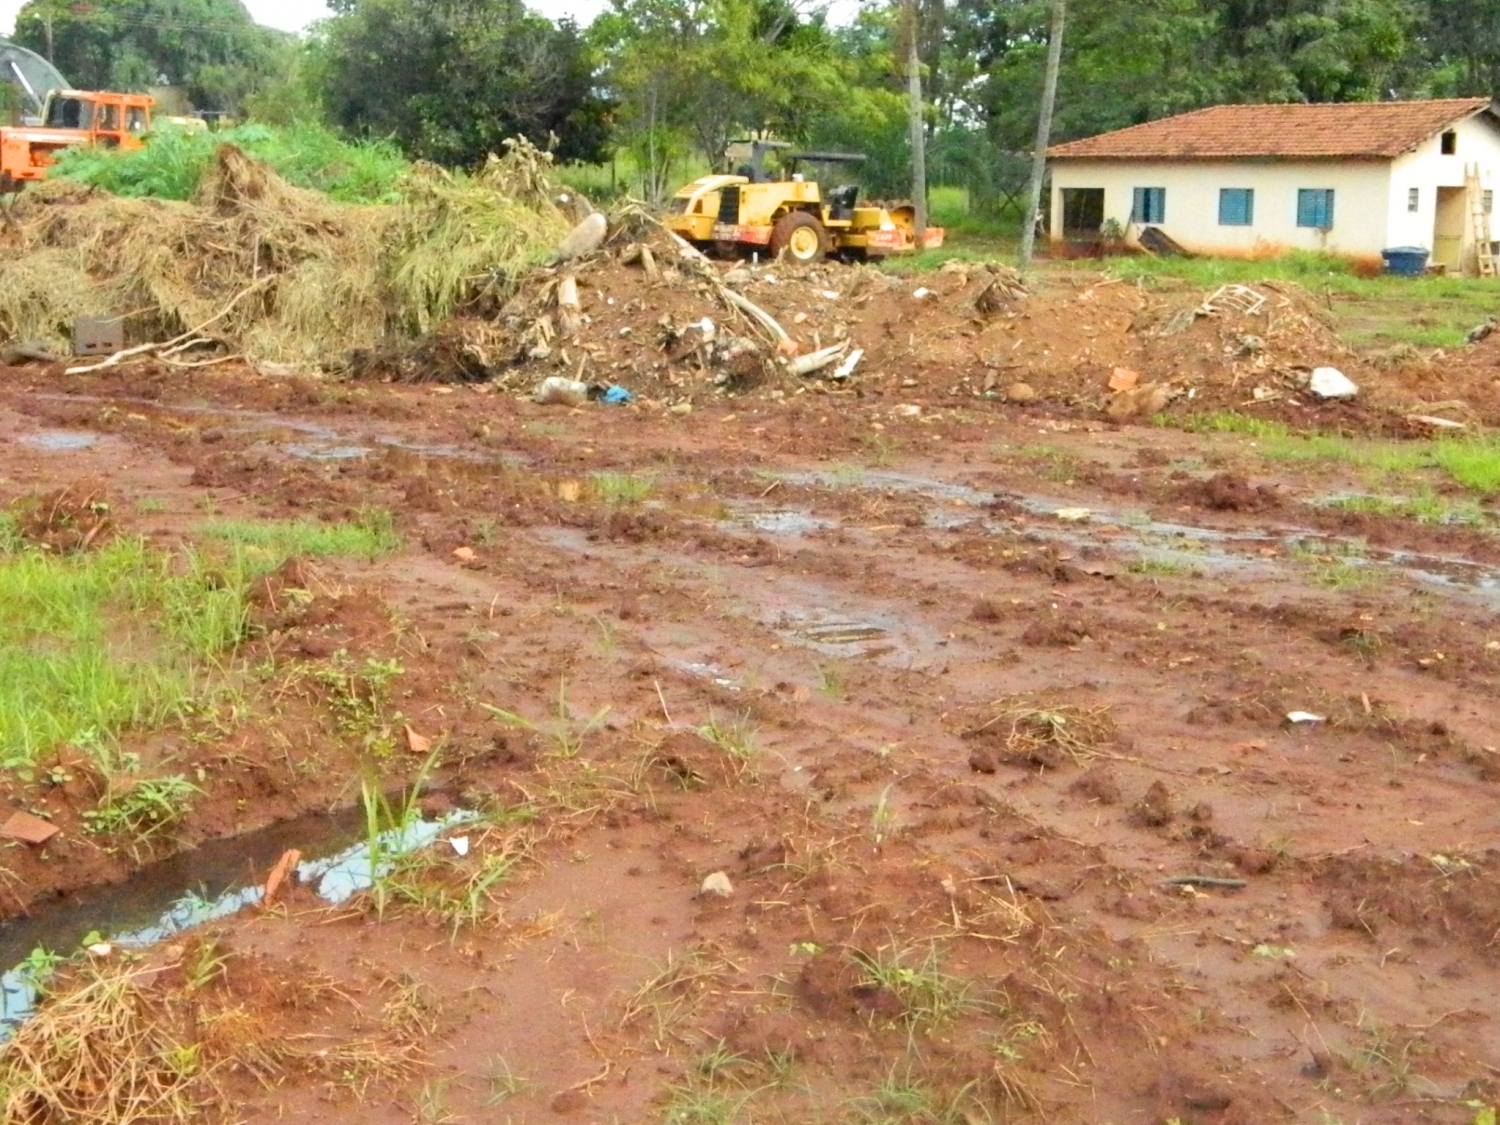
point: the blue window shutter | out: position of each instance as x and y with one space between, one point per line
1315 207
1236 207
1158 199
1138 206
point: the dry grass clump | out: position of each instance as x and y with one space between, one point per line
316 278
1046 735
120 1044
458 240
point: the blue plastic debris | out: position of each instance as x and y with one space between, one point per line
618 396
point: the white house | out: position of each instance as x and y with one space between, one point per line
1352 178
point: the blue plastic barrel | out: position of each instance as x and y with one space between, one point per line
1407 261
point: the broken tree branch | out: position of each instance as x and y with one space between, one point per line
143 349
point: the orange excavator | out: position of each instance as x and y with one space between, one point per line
70 118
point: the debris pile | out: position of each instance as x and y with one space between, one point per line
648 312
1240 345
257 267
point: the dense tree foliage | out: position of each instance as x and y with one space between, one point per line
690 75
669 82
451 79
211 49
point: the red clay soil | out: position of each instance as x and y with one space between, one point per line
1016 824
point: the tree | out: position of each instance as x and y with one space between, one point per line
211 49
1043 127
451 79
693 74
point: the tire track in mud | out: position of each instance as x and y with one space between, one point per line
1227 944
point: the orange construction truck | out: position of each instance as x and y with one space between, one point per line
70 118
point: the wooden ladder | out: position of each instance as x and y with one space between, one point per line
1479 219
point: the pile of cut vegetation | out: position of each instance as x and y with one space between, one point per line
268 270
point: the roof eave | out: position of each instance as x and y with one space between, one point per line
1179 158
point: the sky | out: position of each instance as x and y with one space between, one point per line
294 15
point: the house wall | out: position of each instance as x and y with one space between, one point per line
1361 209
1426 168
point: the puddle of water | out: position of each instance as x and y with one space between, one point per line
324 443
836 635
61 441
317 451
781 521
211 882
711 672
1207 550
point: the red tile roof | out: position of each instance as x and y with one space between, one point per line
1350 130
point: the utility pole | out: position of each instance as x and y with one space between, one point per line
914 114
1043 129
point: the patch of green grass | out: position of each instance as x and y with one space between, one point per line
1150 566
360 695
1308 268
1473 462
1225 422
620 488
1052 463
369 535
100 643
126 637
905 1098
173 164
143 807
1338 564
1425 507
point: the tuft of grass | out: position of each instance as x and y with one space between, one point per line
669 996
143 807
565 731
1151 566
360 695
1384 1060
503 1082
906 1098
929 997
736 736
620 488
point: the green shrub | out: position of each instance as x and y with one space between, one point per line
173 161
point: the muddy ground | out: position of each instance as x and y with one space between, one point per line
983 747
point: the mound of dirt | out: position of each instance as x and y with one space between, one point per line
654 315
1229 492
73 518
